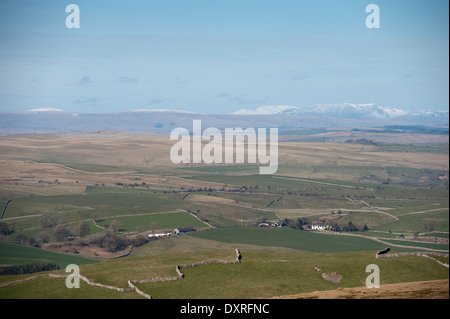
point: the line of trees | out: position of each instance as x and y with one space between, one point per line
27 269
348 227
112 242
300 223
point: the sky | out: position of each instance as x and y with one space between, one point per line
217 56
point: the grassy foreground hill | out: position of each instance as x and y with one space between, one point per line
260 274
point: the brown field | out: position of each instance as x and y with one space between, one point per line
211 199
395 138
131 151
435 289
344 154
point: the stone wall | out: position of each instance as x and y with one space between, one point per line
131 283
180 275
15 282
417 253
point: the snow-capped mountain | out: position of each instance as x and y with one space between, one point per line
347 110
164 121
429 114
46 109
162 110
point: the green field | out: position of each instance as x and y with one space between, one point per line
170 220
13 254
289 238
415 222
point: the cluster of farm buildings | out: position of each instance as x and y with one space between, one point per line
176 231
316 225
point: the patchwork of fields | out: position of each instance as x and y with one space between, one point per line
85 200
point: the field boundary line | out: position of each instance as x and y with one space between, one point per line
417 253
200 219
316 182
424 211
390 215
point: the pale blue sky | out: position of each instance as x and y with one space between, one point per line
216 56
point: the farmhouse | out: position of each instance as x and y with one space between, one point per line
319 226
159 235
179 231
269 224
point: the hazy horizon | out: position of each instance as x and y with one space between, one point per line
260 110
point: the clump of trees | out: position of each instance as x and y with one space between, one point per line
27 269
62 233
51 229
4 229
300 223
348 227
112 242
361 141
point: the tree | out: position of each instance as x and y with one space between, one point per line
302 222
48 220
20 238
350 227
4 229
83 229
113 242
61 233
43 237
115 226
428 225
32 241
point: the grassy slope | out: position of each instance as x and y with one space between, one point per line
260 274
272 274
12 254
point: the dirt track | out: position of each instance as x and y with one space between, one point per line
435 289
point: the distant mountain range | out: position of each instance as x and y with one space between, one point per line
348 110
164 121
